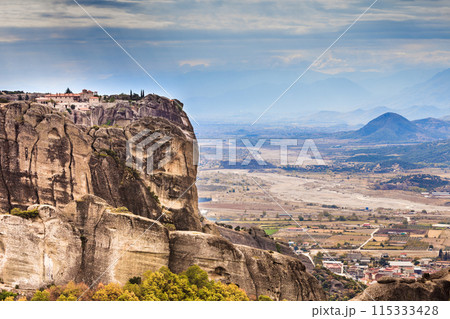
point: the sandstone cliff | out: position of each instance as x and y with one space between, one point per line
257 238
46 159
122 113
90 241
434 287
101 219
87 240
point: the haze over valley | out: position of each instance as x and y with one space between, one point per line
199 150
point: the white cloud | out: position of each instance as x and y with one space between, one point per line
291 16
105 76
9 39
291 58
247 31
387 56
195 63
332 65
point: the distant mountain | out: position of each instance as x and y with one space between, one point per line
316 101
438 129
434 91
359 117
248 101
353 118
389 128
417 112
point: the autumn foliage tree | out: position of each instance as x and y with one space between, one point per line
112 292
162 285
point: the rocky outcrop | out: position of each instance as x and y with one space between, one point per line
43 157
86 242
434 287
35 253
100 219
257 238
116 245
123 113
90 241
173 184
46 159
257 271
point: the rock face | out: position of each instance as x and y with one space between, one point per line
115 246
122 113
90 241
85 242
256 271
173 184
257 238
434 287
34 253
101 220
46 159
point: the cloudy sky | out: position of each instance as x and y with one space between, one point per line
204 47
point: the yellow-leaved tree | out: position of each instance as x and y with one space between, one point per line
162 285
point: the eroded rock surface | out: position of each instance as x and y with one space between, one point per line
434 287
258 239
86 242
122 113
43 157
257 271
90 241
77 178
46 159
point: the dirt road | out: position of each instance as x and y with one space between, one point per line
371 237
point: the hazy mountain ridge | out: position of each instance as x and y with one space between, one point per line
392 127
360 116
436 128
316 100
251 99
433 91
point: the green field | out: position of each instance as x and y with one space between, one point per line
271 231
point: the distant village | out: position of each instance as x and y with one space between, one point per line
369 270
